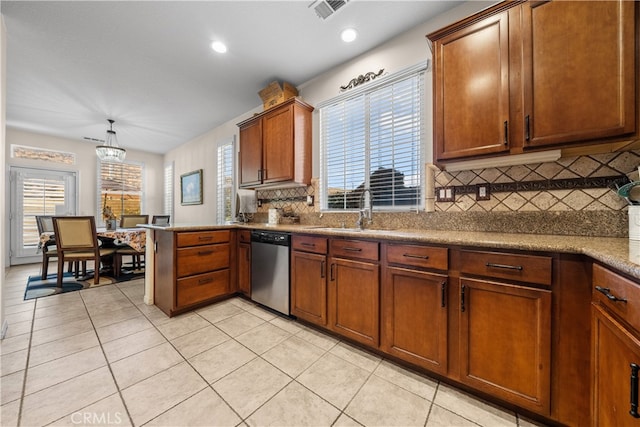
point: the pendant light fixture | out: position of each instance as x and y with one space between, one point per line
110 151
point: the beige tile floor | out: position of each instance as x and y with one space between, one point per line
102 357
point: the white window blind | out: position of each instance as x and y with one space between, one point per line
40 196
225 190
374 140
168 189
120 186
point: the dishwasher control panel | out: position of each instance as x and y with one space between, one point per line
272 237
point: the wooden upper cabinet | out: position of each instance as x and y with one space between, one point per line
278 145
579 71
251 153
472 90
275 145
537 74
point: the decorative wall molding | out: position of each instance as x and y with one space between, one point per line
361 79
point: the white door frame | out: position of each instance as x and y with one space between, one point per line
16 250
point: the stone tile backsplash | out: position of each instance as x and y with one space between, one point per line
547 200
555 198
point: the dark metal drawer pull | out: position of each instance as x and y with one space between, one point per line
443 288
508 267
205 238
607 293
201 253
350 249
205 281
310 245
322 269
634 391
416 256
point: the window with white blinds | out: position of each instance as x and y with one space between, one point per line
120 186
168 189
225 190
374 139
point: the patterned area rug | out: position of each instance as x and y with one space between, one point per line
38 288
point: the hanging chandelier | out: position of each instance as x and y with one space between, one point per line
110 152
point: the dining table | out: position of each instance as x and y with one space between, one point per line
135 238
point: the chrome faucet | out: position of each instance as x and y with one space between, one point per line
365 214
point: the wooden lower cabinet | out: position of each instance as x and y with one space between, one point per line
615 353
615 349
243 262
309 287
191 268
414 317
505 342
354 289
354 293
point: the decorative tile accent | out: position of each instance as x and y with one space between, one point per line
574 183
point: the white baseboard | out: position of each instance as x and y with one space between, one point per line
5 326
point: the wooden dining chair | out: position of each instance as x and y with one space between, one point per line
49 249
77 241
130 221
161 219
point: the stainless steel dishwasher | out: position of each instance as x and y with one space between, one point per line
270 269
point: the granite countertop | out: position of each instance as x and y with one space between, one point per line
619 253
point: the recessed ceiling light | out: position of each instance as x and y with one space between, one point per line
348 35
219 47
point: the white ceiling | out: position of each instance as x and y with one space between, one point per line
149 65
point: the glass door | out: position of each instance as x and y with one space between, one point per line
36 192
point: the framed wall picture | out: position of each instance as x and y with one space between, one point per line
191 188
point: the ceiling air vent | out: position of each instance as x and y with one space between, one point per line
326 8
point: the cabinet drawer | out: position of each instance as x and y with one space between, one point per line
524 268
313 244
610 288
418 256
202 287
244 236
201 259
202 238
357 249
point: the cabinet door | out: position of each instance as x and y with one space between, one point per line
309 287
277 139
578 80
244 268
614 352
354 300
471 91
505 342
251 154
414 317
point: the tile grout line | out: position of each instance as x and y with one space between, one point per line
26 367
185 361
126 408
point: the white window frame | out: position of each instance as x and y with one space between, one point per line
417 70
221 184
169 189
99 219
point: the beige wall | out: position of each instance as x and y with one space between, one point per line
406 50
86 163
200 153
